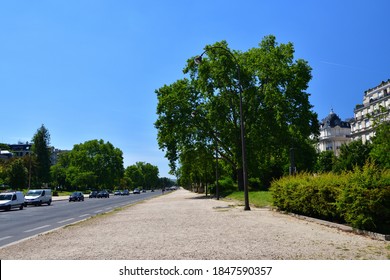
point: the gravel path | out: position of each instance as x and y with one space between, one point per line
182 225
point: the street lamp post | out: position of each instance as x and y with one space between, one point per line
293 168
198 60
216 167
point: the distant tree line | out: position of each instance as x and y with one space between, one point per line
94 164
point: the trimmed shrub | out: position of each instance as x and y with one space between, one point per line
365 201
360 198
309 195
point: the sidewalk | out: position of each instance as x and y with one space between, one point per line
59 198
183 225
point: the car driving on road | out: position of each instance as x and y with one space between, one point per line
38 197
93 194
9 200
76 196
102 194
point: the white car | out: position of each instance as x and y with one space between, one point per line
38 197
9 200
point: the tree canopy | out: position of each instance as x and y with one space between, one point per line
17 173
201 111
41 152
353 154
94 163
381 145
143 175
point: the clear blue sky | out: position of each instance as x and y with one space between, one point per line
89 69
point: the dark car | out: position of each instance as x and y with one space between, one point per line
136 191
118 192
76 196
102 194
125 192
93 194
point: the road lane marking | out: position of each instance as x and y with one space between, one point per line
38 228
5 237
85 215
64 221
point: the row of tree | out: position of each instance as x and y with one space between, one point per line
199 116
94 164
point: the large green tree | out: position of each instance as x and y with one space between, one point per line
202 109
94 163
150 175
134 175
143 175
353 154
42 153
380 151
325 161
17 173
58 171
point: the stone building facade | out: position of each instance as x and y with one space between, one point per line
333 133
375 109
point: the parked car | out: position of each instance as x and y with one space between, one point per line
93 194
117 193
125 192
9 200
136 191
38 197
76 196
102 194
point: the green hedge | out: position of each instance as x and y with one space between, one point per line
360 198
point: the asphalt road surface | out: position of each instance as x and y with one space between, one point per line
16 224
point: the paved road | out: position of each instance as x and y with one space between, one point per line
32 220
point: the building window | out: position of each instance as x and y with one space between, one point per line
367 123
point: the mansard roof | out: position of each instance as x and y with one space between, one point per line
333 120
